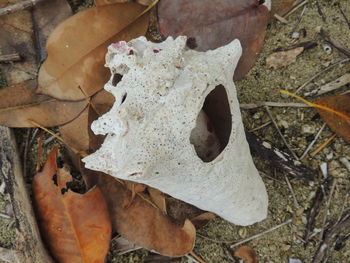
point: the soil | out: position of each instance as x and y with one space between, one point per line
298 126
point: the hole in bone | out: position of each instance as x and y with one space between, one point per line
213 126
123 98
116 78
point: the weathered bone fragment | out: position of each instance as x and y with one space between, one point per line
176 126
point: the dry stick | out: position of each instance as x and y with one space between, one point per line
296 8
319 10
328 203
296 204
330 86
280 133
281 19
18 7
313 142
249 106
10 57
321 72
80 153
323 145
196 257
261 126
343 14
325 35
261 234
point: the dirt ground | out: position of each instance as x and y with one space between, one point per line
298 126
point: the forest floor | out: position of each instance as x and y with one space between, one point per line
299 126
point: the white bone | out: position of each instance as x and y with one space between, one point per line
148 135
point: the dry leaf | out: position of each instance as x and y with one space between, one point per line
141 222
77 48
19 102
76 227
247 254
17 35
339 123
283 58
281 7
214 23
202 220
157 198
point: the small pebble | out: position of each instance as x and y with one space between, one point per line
307 129
294 260
295 35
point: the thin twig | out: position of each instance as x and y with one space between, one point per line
261 126
249 106
281 19
196 257
10 57
319 10
280 133
331 86
5 216
299 19
345 162
328 203
296 8
18 7
326 36
296 204
323 145
343 14
346 60
313 142
261 234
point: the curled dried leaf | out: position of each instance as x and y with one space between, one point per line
247 254
76 227
283 58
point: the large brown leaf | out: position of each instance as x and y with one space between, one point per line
141 222
19 103
338 118
76 227
214 23
77 48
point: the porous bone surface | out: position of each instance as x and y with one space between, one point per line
161 93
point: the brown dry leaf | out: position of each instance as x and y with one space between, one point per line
19 102
77 48
283 58
247 254
202 220
76 227
281 7
339 124
157 198
141 222
17 35
217 23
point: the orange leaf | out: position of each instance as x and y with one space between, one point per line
335 110
338 119
141 222
76 227
247 254
77 48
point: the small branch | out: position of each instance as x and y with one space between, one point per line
306 45
323 145
296 8
280 133
328 203
249 106
313 142
319 10
196 257
343 14
346 60
333 85
18 7
296 204
261 126
261 234
334 231
325 35
10 58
